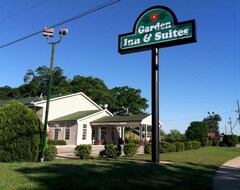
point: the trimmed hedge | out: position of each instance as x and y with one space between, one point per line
179 146
130 149
50 153
230 140
196 144
188 146
83 151
165 147
57 142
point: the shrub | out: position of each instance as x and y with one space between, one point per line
148 148
196 144
179 146
130 149
166 147
50 153
131 139
57 142
239 139
188 145
204 141
20 133
230 140
215 142
111 151
83 151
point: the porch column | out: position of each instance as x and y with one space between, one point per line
99 134
145 132
140 132
122 133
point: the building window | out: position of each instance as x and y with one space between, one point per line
84 134
67 133
56 134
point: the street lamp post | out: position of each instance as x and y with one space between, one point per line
49 32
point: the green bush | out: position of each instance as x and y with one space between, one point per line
57 142
148 148
50 153
239 139
188 145
204 142
215 142
131 139
179 146
111 151
196 144
165 147
230 140
83 151
20 133
130 149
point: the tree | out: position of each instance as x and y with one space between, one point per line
94 88
174 136
35 83
197 130
20 133
127 100
213 123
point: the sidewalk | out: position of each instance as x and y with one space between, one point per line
228 176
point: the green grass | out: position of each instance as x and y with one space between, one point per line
190 170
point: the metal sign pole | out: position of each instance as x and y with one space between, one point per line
155 105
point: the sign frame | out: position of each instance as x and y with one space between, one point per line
191 39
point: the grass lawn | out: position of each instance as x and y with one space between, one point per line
192 169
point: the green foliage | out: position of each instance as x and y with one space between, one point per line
165 147
179 146
50 153
196 144
131 139
83 151
213 121
128 97
174 136
197 130
215 142
230 140
148 148
35 83
188 145
130 149
111 151
205 142
20 133
57 142
239 139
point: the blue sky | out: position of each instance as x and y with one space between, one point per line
194 78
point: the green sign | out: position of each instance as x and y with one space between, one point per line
157 27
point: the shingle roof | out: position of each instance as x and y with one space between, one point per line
130 118
74 116
28 100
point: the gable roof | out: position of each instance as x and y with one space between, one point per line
75 116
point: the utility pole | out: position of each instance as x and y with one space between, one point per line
238 112
230 123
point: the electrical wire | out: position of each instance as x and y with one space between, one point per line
7 3
97 8
22 11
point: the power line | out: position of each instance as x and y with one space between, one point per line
22 11
97 8
7 3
